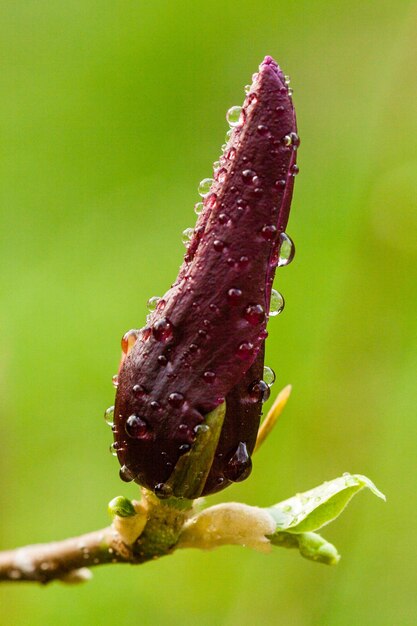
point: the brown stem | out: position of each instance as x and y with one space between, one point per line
65 559
150 533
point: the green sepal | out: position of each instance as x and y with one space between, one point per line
191 471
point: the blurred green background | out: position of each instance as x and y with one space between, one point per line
111 113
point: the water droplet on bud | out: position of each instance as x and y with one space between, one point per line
176 399
286 250
269 375
113 448
245 350
152 303
240 465
136 427
205 186
198 207
248 176
125 474
163 491
109 416
209 377
234 116
234 296
163 330
276 304
187 235
128 340
221 174
115 380
254 314
259 390
269 232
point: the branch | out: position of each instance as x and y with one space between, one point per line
146 530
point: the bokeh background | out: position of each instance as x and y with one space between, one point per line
110 114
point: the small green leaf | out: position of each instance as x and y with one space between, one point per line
313 509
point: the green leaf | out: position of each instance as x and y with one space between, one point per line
313 509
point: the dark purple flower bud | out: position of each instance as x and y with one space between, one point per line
204 342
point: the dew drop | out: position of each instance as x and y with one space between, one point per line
286 250
187 235
247 89
211 201
245 350
234 116
248 176
259 390
201 428
276 304
216 165
295 140
287 140
205 186
223 219
125 474
113 448
234 296
221 174
163 491
136 427
198 207
240 465
184 448
254 314
176 399
128 340
228 135
139 390
262 129
109 415
294 170
269 232
269 375
218 245
152 303
281 183
115 380
287 79
162 360
231 155
209 377
155 405
163 330
243 261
